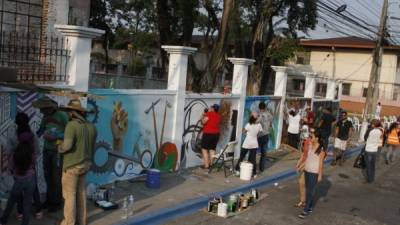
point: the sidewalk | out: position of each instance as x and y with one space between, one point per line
180 193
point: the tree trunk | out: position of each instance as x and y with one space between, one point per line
188 9
164 30
217 59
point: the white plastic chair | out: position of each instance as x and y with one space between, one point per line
356 124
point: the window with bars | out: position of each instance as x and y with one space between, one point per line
346 89
21 16
24 46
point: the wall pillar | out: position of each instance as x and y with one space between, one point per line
177 73
239 83
311 83
79 42
280 91
330 89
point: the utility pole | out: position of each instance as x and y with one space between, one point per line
373 84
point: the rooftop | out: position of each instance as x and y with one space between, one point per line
345 42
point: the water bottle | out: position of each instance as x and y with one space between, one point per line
111 193
125 209
130 205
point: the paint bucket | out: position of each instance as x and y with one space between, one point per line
244 202
246 171
153 178
222 209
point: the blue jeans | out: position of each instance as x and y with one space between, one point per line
370 158
52 173
311 180
22 187
262 144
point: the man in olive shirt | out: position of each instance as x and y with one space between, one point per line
77 148
51 129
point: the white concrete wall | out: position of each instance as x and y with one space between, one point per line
355 67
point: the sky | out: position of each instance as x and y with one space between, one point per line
368 11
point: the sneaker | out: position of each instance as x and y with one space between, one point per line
386 162
303 215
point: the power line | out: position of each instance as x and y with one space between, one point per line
330 9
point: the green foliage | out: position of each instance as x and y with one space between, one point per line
282 49
137 67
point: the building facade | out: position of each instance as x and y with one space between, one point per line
350 60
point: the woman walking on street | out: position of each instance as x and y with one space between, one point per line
307 144
313 168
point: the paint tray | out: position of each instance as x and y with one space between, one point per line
105 205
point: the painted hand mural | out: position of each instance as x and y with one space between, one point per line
119 126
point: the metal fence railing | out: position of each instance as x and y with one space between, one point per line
36 58
114 81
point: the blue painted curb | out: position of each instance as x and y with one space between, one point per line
193 205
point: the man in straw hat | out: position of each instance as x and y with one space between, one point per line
51 129
77 148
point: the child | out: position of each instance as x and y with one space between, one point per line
250 143
22 165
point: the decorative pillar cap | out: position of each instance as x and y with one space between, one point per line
280 68
310 74
78 31
174 49
242 61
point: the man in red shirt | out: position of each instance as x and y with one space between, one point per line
211 121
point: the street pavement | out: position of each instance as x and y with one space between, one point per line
342 198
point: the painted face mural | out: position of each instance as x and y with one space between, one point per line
272 107
194 109
132 135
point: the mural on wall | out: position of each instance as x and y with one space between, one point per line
272 106
319 105
131 136
299 105
194 109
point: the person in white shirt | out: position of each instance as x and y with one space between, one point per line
378 111
373 141
250 143
294 129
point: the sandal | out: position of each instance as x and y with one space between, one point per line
204 168
300 205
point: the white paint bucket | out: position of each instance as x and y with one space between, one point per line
246 170
222 209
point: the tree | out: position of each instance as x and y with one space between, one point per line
99 19
217 58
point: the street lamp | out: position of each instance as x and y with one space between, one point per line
341 8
